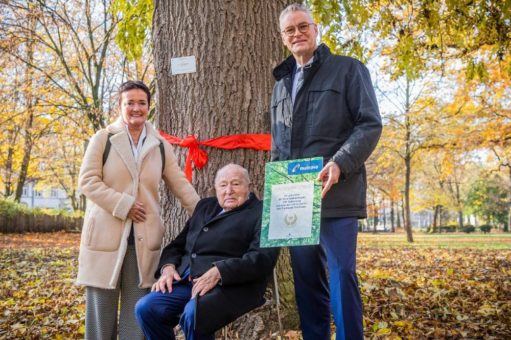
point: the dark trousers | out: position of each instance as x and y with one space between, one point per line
158 313
315 294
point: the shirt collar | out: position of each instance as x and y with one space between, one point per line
143 135
311 60
138 148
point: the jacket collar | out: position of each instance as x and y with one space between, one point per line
120 142
252 199
287 67
152 141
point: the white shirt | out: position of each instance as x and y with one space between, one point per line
138 148
297 75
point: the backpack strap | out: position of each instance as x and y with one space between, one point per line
107 148
162 152
109 144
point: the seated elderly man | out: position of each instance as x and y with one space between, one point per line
214 271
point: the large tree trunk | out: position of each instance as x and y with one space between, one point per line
235 45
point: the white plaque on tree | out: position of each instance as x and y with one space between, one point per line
183 65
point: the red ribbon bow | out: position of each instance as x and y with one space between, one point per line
200 157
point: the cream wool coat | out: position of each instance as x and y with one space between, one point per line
111 191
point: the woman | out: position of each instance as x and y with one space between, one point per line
123 231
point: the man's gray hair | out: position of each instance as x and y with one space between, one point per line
244 172
293 8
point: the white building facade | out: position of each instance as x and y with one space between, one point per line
53 198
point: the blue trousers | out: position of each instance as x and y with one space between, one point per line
158 313
315 294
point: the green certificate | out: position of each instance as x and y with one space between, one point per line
292 203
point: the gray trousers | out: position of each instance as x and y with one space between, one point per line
102 305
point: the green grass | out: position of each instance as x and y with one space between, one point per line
421 240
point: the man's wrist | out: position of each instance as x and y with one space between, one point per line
219 274
165 266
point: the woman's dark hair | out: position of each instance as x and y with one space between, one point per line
132 85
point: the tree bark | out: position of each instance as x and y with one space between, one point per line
392 218
508 226
29 120
436 217
9 168
375 217
384 214
235 45
398 214
408 166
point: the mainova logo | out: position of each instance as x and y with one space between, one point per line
305 166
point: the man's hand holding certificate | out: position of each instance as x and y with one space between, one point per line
292 203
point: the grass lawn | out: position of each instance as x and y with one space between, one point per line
450 240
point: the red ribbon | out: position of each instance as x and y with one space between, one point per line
200 157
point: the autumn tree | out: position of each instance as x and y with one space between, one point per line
133 37
62 47
75 36
417 37
488 199
491 100
386 175
60 168
10 121
76 67
23 120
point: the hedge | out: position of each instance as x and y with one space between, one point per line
17 218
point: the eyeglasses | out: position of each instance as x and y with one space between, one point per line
303 28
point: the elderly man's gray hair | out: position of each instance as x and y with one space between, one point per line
293 8
244 172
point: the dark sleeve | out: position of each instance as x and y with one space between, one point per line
363 106
174 251
256 264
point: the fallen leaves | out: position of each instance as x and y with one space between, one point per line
432 292
412 293
37 296
40 240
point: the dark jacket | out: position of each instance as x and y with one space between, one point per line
230 242
336 116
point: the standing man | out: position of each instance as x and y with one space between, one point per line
324 105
